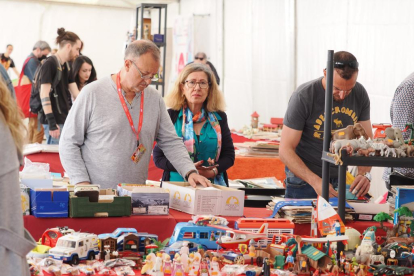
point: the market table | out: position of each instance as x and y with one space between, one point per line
163 226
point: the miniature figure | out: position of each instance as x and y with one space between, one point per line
167 265
392 260
266 267
200 250
196 263
252 251
358 270
190 262
107 252
184 252
332 269
290 260
149 264
337 226
158 271
212 237
214 267
179 268
203 268
342 261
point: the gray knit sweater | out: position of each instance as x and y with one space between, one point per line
97 142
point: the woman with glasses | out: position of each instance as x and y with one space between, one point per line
197 112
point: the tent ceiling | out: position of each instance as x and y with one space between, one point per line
110 3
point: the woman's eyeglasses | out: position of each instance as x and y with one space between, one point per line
191 84
200 58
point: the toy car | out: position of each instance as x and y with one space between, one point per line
117 233
74 247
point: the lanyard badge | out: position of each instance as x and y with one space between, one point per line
140 150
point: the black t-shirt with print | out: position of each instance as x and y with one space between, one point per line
49 70
7 62
306 111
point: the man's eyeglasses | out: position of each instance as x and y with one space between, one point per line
146 77
341 64
191 84
200 58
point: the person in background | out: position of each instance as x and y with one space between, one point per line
301 144
111 129
54 51
7 81
402 112
83 71
56 107
41 50
15 242
7 61
197 112
201 58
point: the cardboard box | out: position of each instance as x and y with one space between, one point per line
216 200
119 206
25 198
146 200
49 203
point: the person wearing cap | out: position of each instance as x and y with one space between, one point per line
301 144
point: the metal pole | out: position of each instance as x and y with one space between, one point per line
341 196
327 124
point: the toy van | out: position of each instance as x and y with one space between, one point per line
275 226
75 247
206 236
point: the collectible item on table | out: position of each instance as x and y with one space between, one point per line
157 270
233 238
91 191
75 247
167 265
178 268
124 270
148 264
216 200
146 199
275 225
203 220
255 120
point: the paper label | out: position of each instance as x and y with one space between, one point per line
158 210
365 217
139 210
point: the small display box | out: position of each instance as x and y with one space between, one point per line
49 203
109 205
146 199
216 200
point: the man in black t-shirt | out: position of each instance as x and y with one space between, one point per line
56 100
7 61
302 135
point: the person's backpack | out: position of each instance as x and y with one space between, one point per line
35 102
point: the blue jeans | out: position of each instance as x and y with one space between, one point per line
49 139
297 188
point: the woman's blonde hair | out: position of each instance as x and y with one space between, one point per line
12 115
215 99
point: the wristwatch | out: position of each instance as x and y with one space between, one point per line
367 175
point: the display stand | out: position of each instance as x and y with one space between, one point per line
347 160
140 34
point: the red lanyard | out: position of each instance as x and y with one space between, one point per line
141 111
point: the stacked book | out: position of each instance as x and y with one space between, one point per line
262 149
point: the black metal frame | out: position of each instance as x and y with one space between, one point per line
140 18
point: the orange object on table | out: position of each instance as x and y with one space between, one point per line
257 167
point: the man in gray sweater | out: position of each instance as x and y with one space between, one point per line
111 128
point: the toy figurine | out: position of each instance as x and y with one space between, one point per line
167 265
342 261
203 268
190 262
290 260
212 237
337 226
107 253
158 265
195 265
266 267
184 252
179 268
200 250
252 251
214 267
149 264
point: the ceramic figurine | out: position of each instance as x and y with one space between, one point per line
214 267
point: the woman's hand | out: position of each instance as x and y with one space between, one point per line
205 171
